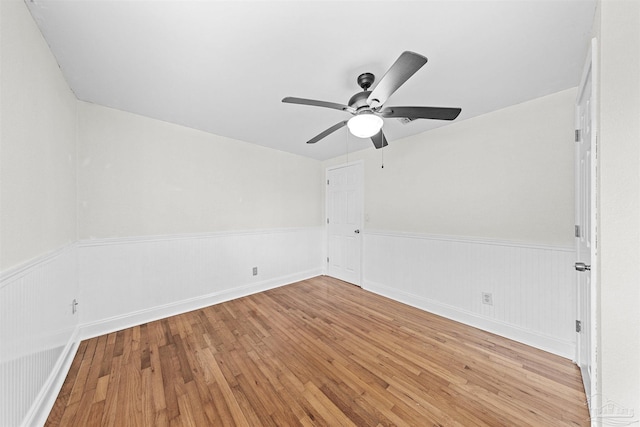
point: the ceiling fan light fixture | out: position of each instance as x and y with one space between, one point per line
365 125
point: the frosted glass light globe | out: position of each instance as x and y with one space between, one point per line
365 125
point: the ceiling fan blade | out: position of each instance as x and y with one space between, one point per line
437 113
327 132
405 66
316 103
379 140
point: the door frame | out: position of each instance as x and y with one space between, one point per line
325 243
590 70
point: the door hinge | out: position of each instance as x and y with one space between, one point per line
327 260
578 135
577 231
327 220
327 182
578 326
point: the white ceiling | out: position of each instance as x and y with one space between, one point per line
224 66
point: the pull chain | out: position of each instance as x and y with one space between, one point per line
382 149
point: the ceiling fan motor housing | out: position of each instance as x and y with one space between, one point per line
359 100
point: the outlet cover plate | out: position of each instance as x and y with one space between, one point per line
487 298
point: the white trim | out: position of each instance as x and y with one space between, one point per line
532 338
345 165
116 323
469 239
20 348
187 236
591 71
595 400
43 403
25 268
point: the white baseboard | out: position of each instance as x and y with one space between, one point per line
116 323
41 407
532 338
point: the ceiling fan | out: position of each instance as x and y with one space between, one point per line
367 107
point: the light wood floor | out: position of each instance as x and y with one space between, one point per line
318 352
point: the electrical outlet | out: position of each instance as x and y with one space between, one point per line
487 298
255 271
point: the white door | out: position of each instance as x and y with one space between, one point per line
585 167
344 222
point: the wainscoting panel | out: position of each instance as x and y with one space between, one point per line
130 281
37 334
532 286
124 282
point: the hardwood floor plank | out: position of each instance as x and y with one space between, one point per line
129 392
118 348
346 404
105 367
185 366
319 352
145 356
155 383
169 368
84 409
95 414
81 377
147 398
101 389
329 411
69 414
215 367
192 417
96 363
110 406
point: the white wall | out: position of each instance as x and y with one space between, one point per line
504 175
173 218
617 27
37 144
140 176
38 270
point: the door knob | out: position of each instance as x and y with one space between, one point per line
581 266
356 231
